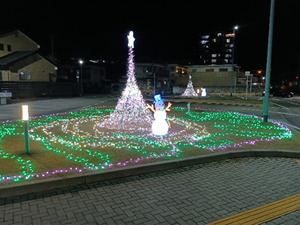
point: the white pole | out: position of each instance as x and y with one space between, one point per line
251 85
154 85
246 87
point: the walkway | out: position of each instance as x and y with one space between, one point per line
198 194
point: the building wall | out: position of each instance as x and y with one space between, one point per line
5 75
211 79
39 70
18 42
208 75
143 70
202 79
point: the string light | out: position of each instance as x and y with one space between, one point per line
130 112
91 149
189 91
93 138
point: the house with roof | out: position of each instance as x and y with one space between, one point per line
20 60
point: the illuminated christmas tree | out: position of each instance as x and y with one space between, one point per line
189 91
131 112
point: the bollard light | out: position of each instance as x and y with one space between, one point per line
25 114
25 117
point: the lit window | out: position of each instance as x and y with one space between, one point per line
213 55
147 69
24 76
213 60
219 34
227 40
205 37
226 61
214 40
227 55
204 42
229 35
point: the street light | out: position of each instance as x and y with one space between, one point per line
81 75
231 88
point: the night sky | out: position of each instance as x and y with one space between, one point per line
164 30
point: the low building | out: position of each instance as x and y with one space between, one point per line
157 76
20 60
210 75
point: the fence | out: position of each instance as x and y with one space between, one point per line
38 89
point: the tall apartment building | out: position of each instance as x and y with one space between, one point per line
216 48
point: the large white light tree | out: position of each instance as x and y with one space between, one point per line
131 112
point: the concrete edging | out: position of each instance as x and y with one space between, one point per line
15 190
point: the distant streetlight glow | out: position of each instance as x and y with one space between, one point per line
81 77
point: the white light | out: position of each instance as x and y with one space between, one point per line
203 93
130 39
80 61
236 27
25 115
160 125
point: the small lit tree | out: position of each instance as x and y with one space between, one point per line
189 91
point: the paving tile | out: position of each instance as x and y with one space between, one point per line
192 195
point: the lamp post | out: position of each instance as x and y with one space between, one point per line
25 117
154 84
232 61
269 59
81 77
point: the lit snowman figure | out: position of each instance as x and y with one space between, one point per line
160 125
203 93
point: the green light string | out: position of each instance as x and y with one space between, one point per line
86 148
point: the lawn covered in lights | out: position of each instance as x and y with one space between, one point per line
65 143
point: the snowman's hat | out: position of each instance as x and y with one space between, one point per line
158 98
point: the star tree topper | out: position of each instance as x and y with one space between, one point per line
130 39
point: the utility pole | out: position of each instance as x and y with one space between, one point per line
52 47
251 75
236 78
232 61
154 84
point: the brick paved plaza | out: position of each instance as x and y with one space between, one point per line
197 194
